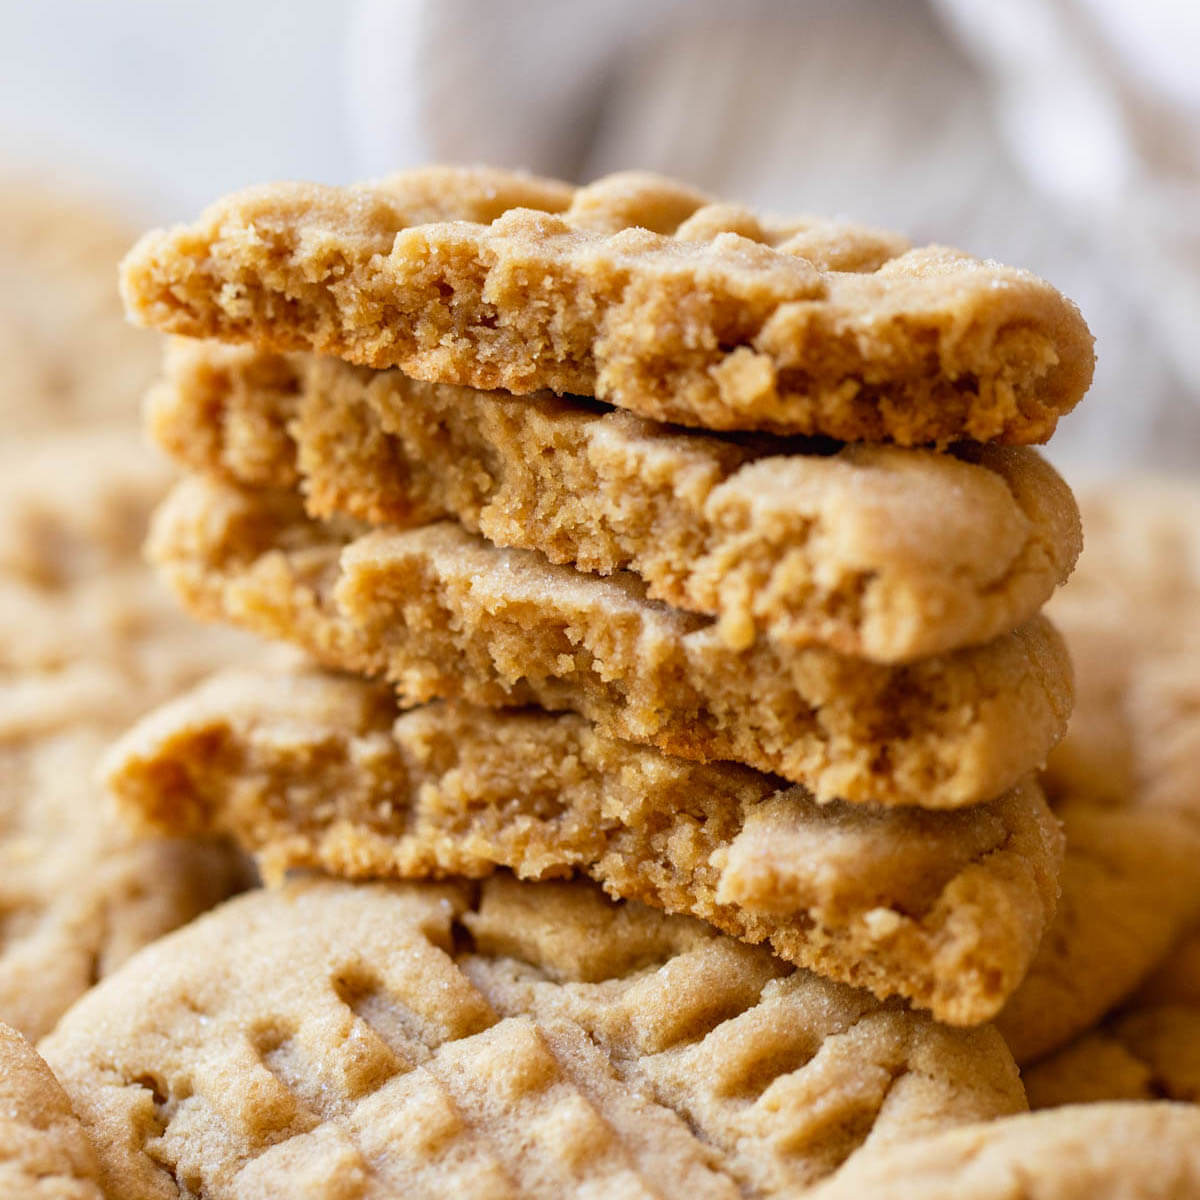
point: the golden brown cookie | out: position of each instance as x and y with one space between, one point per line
634 289
1177 980
1124 779
306 769
442 613
878 552
44 1152
86 630
1131 798
515 1039
88 641
1130 883
1150 1049
79 892
1114 1151
1148 1053
67 355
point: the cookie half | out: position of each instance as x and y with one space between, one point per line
44 1152
306 769
442 613
512 1039
636 290
875 551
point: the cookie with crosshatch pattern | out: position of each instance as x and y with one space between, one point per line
503 1039
89 640
635 289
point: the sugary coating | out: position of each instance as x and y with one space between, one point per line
307 769
442 613
513 1039
634 289
875 551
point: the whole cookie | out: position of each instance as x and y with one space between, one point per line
1124 779
374 1040
67 356
88 641
1118 1151
86 630
1150 1049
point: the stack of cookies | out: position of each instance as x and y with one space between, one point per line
728 603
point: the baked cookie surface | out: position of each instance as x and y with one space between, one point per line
44 1152
306 769
1118 1151
68 358
371 1040
1124 779
634 289
86 630
875 551
88 641
441 613
1142 1053
1151 1046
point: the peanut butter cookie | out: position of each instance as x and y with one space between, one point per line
442 613
636 290
508 1039
875 551
307 769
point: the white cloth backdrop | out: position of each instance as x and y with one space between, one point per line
1063 135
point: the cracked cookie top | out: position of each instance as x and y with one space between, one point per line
635 289
308 769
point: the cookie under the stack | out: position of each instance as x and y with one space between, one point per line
504 1039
